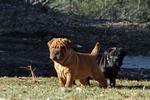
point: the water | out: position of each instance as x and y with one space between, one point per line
136 62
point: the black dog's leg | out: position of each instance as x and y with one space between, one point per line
74 83
112 82
88 79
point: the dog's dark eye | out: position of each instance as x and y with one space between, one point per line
62 48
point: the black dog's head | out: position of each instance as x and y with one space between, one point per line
115 56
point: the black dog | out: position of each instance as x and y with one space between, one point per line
110 62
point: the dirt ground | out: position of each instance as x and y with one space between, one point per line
17 49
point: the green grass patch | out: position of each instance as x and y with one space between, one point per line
23 88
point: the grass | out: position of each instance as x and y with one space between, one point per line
23 88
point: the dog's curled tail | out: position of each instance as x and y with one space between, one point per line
95 51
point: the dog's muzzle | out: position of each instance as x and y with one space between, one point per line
56 53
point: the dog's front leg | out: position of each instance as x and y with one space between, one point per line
69 81
61 82
112 82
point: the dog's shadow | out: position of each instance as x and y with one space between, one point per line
131 87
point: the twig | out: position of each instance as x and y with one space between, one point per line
33 75
24 67
133 96
123 95
32 72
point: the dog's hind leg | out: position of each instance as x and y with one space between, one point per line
98 76
84 82
102 82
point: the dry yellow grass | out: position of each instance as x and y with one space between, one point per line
23 88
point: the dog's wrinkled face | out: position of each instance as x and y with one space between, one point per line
115 56
59 48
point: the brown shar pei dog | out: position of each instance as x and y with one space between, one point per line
71 65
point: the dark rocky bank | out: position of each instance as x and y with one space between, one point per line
25 30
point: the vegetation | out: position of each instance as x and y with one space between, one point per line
114 10
23 88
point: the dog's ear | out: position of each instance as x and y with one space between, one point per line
124 53
50 42
68 43
106 52
112 49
